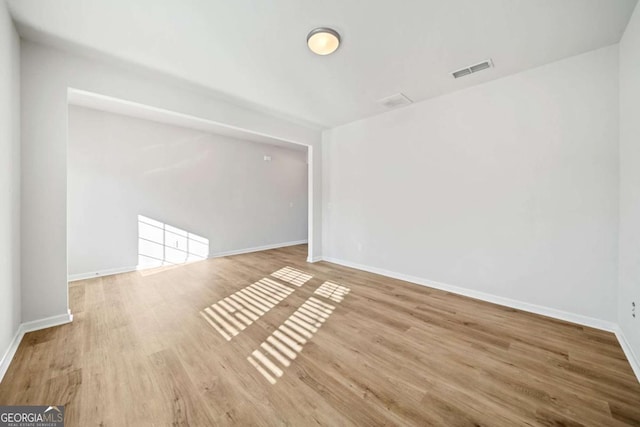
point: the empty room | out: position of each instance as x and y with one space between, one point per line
422 212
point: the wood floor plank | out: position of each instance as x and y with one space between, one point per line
389 353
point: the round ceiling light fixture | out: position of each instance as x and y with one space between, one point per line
323 41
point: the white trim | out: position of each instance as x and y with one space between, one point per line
25 328
258 248
508 302
49 322
604 325
11 351
100 273
310 251
109 272
633 359
314 259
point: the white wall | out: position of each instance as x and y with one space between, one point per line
46 74
509 188
214 186
629 278
9 180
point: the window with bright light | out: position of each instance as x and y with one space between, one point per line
162 244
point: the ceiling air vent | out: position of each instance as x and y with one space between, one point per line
395 101
472 69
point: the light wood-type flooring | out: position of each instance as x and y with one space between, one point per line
226 342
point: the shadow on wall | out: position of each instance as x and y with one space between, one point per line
160 244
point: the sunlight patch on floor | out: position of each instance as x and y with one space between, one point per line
332 291
234 313
293 276
285 343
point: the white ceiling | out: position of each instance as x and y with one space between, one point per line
255 50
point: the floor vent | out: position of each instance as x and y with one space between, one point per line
472 69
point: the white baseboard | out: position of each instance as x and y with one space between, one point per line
107 272
26 328
604 325
11 351
36 325
258 248
111 271
633 359
508 302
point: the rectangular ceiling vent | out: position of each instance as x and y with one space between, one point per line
395 101
472 69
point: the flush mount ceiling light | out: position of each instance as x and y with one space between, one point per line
323 41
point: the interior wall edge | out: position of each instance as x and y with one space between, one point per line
26 327
101 273
44 149
131 268
10 352
579 319
258 248
10 187
633 358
